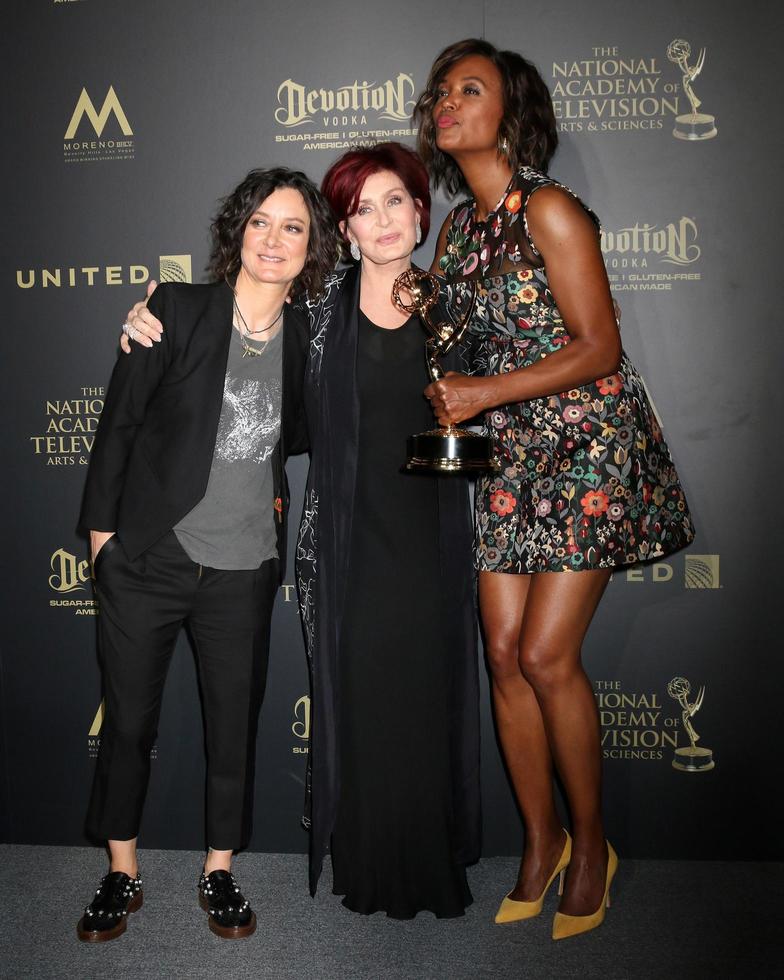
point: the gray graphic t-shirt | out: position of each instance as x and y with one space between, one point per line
233 526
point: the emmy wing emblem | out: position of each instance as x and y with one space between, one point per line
445 315
691 759
694 125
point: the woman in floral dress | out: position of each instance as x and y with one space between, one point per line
585 483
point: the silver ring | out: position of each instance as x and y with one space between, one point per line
126 327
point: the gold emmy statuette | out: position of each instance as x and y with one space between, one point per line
694 125
691 759
445 314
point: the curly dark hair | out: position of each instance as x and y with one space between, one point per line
228 227
528 124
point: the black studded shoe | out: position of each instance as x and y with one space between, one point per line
106 917
228 912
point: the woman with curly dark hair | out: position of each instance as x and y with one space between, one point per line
585 481
186 502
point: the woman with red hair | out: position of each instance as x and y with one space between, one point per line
385 585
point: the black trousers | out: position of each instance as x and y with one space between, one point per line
143 605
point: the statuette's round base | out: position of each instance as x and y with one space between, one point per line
696 126
450 451
693 759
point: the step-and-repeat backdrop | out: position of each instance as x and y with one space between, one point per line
126 121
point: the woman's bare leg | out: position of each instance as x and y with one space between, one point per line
502 600
558 611
217 861
122 855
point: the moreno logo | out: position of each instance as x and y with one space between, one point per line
98 119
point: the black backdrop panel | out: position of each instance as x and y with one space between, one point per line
131 120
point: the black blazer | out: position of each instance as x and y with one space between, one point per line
153 449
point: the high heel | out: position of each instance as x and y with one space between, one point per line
572 925
513 911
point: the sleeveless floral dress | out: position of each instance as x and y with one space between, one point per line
586 479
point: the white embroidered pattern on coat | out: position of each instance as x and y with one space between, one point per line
306 565
319 314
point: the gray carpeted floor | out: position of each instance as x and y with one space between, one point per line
669 920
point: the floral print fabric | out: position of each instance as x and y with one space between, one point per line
586 479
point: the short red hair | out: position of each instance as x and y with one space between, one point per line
343 182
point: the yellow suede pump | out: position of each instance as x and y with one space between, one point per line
565 926
513 911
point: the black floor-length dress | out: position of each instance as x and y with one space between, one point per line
391 844
387 597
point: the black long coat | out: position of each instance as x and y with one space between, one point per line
322 554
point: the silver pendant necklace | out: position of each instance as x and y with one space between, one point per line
244 332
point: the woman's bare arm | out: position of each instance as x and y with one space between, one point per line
566 238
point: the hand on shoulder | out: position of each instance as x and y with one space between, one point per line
142 327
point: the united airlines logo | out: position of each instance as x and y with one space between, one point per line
699 572
702 572
175 268
171 268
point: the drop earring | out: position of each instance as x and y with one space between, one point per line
355 253
418 233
